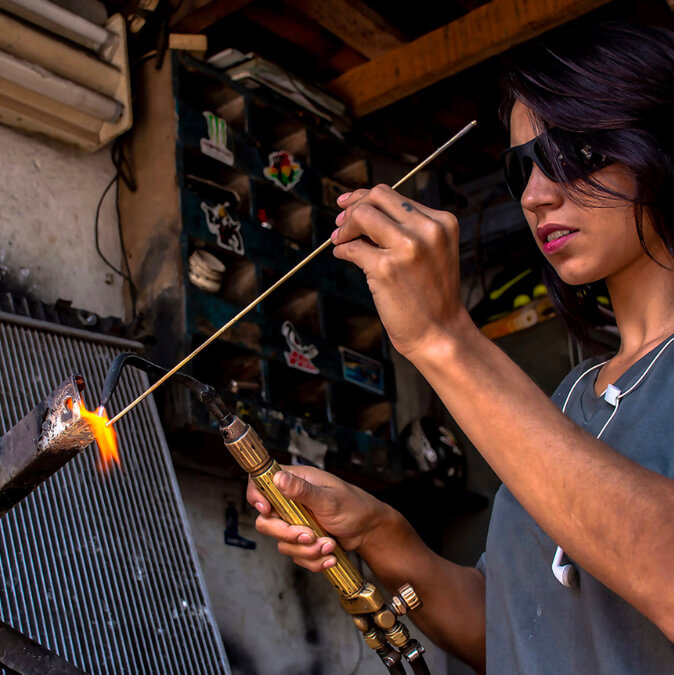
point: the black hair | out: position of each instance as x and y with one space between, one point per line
612 83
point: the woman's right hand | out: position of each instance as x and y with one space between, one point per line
348 513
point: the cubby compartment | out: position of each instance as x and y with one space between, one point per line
240 283
295 303
297 393
352 327
215 181
229 368
283 213
362 410
275 130
338 163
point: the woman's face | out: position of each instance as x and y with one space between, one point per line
584 243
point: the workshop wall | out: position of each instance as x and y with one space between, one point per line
49 193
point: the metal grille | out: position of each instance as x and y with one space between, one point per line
100 568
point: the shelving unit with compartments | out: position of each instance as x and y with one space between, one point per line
254 183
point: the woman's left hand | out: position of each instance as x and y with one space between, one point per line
410 255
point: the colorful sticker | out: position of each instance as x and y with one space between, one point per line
361 370
215 145
300 356
283 170
226 229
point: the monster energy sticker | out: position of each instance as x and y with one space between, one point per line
215 145
226 229
300 356
283 170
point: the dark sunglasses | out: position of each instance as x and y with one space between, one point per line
575 159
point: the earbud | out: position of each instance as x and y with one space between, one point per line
567 575
612 395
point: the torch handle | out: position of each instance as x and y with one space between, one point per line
247 449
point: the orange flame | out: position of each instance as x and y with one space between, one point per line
105 436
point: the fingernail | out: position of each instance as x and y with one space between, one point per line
335 235
329 562
282 479
341 198
339 218
326 548
259 506
305 538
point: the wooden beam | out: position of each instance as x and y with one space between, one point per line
297 29
484 32
194 16
356 24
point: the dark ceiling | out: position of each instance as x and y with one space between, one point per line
285 32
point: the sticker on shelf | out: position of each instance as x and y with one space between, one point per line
224 227
215 145
299 356
283 170
362 370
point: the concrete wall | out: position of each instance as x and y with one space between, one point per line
48 197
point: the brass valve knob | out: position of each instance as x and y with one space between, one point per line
407 600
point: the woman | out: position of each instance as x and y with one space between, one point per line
591 120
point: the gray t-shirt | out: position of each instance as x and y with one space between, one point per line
534 624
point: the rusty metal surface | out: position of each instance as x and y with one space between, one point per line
64 428
41 443
26 657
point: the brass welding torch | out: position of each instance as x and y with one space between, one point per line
379 623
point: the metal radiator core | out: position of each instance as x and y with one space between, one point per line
101 569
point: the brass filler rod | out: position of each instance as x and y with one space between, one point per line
278 283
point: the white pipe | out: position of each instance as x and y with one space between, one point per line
57 20
54 54
43 82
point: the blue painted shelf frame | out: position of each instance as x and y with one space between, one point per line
230 177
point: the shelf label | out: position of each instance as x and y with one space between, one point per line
299 356
215 145
283 170
362 370
224 227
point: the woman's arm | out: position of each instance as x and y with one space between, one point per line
611 515
453 614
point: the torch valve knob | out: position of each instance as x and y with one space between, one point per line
407 600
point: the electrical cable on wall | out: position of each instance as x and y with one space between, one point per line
123 171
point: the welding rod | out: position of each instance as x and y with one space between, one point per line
282 280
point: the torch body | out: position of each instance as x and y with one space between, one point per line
246 447
379 624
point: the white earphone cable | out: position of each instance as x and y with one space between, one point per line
558 569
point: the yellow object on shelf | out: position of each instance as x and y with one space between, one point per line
525 317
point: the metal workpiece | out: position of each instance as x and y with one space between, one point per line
19 654
63 426
42 442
